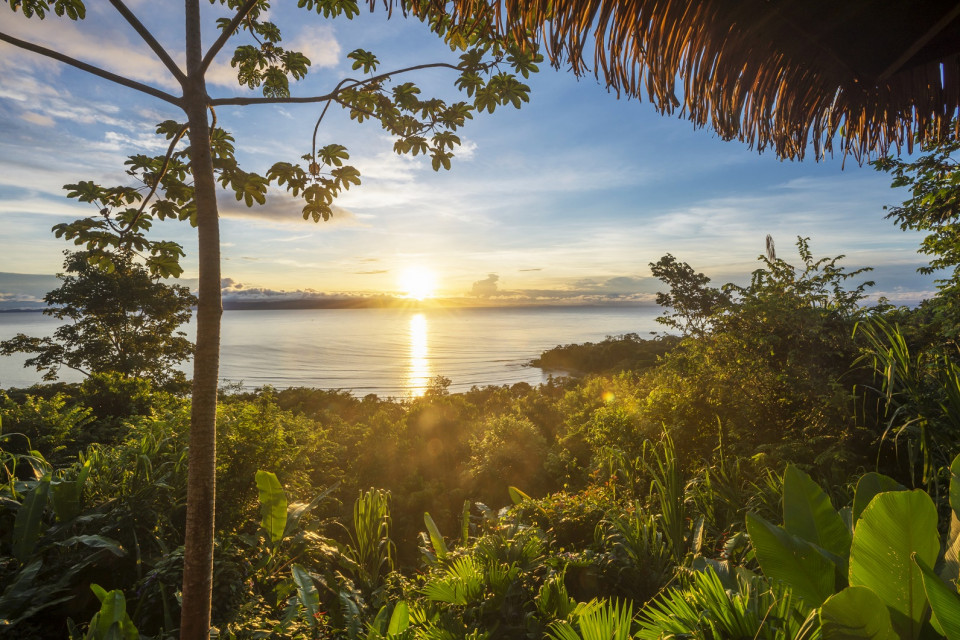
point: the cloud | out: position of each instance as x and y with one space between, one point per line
619 285
38 119
370 273
486 287
281 208
571 297
237 295
98 42
25 290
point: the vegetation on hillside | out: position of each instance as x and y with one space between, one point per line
643 503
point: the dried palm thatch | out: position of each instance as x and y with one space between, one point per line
865 75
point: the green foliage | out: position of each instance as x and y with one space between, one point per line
639 519
508 448
709 609
895 526
895 542
596 620
637 562
808 514
856 612
120 320
440 550
273 506
920 392
112 621
628 352
788 558
943 598
769 366
370 545
694 304
932 206
53 424
666 483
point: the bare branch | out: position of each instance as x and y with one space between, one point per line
333 94
150 40
242 13
89 68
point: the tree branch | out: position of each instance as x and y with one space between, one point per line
228 31
160 174
89 68
333 94
336 90
150 40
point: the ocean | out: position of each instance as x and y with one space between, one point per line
389 352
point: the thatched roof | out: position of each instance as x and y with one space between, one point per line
859 75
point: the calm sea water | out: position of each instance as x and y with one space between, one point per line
389 352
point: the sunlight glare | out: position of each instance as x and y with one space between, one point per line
419 376
417 283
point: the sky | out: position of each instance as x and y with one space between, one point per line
567 200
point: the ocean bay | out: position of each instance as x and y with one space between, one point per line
389 352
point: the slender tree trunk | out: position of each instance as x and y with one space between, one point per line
201 474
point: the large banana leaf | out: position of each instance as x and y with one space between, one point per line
273 506
436 539
869 485
895 525
399 620
856 613
792 560
306 593
951 553
944 600
112 621
27 524
808 513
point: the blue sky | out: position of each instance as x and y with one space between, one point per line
565 200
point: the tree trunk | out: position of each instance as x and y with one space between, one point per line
201 473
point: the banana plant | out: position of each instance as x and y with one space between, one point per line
941 590
279 580
111 622
45 539
862 569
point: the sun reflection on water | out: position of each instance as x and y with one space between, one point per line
418 378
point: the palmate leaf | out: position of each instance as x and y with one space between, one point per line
944 600
855 613
893 527
807 513
596 620
792 560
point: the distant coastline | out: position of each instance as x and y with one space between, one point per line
401 303
384 303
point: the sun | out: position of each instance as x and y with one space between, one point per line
417 283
